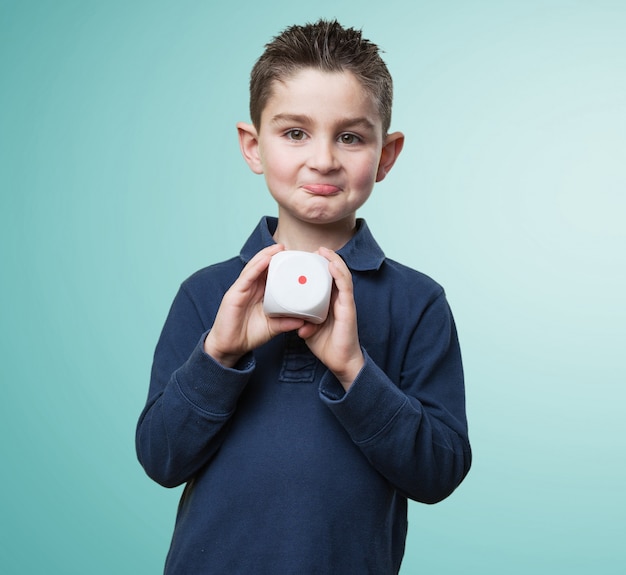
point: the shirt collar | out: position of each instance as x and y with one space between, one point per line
361 253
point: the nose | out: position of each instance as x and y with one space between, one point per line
323 156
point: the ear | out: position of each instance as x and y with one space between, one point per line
392 146
249 144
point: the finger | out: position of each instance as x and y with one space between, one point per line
257 265
308 330
338 270
283 324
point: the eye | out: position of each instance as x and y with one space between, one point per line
349 139
295 135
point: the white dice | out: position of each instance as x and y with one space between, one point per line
298 285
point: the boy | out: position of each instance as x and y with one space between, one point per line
299 443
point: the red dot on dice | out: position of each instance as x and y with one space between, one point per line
302 280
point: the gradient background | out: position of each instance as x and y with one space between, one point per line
120 175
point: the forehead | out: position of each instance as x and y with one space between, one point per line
321 96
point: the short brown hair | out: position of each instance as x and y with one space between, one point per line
326 46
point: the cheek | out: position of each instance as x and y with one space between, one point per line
276 167
365 174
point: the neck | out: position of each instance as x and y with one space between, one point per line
309 237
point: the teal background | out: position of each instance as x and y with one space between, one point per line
120 175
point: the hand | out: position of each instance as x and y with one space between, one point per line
241 325
336 341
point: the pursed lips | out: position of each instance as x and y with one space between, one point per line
322 189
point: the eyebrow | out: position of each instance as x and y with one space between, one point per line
302 119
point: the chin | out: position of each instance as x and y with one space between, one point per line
329 220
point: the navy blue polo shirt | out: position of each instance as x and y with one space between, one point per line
285 472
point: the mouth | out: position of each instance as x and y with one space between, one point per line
322 189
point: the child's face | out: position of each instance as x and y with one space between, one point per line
319 145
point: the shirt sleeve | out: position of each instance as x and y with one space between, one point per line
190 401
414 432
